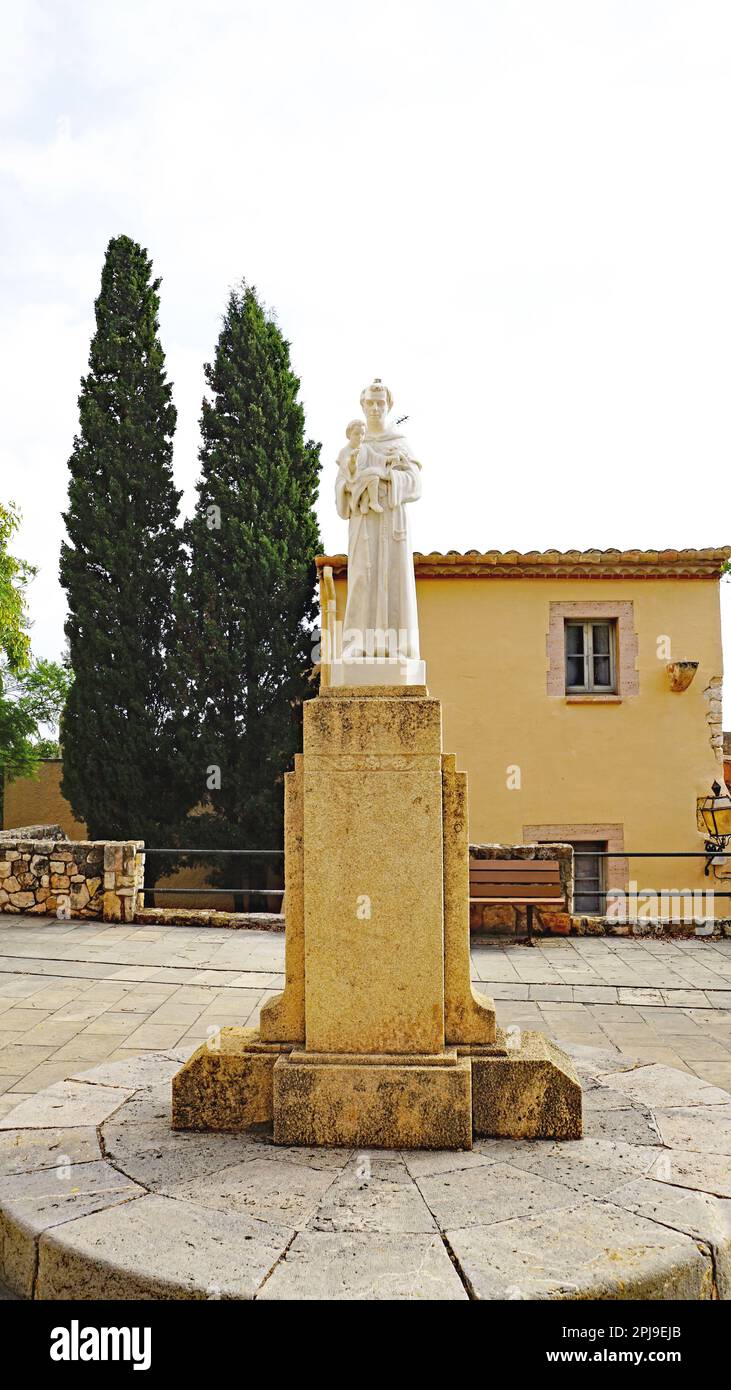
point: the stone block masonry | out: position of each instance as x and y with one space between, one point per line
83 878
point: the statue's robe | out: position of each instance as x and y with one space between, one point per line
380 615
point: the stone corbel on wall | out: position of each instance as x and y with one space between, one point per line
681 674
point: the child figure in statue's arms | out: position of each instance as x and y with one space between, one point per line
363 468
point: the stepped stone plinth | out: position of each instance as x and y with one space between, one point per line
378 1038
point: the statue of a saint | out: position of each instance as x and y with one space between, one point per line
377 476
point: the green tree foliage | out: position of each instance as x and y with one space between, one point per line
247 597
14 577
30 702
32 692
118 567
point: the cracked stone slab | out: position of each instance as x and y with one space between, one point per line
495 1192
639 994
285 1193
386 1202
598 1060
67 1104
158 1248
696 1213
705 1130
23 1150
424 1163
633 1125
585 1179
595 1251
362 1265
598 1097
660 1086
309 1158
156 1156
149 1105
132 1073
629 1159
699 1172
32 1202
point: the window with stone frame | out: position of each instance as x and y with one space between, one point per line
591 656
619 614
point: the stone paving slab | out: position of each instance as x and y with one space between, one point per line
595 1251
157 1248
366 1199
696 1128
155 1215
695 1171
634 1124
662 1087
24 1150
153 1153
31 1203
576 1179
699 1215
67 1102
365 1266
490 1194
284 1193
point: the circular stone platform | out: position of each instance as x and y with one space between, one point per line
100 1199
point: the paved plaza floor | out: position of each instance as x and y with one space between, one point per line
86 992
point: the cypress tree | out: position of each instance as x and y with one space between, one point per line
248 601
118 567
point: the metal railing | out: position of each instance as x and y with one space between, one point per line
651 854
240 890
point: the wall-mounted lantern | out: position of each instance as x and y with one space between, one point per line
715 811
681 673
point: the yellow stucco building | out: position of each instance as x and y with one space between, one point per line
552 670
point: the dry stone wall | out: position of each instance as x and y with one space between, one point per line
60 877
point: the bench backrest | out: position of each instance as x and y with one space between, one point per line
516 880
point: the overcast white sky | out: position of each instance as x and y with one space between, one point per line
517 212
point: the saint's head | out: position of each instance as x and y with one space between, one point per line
377 402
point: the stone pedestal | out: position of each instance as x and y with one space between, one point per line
388 1102
378 1039
363 670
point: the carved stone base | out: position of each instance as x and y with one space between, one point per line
228 1087
431 1101
373 1102
528 1092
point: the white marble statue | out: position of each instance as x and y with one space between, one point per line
377 476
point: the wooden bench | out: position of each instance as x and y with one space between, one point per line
521 882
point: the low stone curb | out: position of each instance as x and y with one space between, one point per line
209 917
99 1198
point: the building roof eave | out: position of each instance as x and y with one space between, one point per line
560 564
